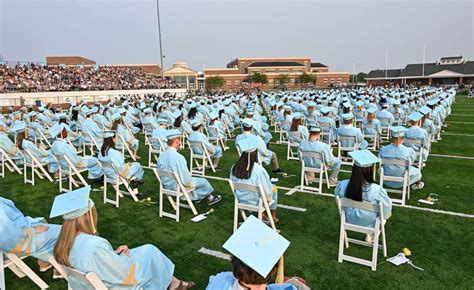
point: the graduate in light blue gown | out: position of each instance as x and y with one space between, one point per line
8 146
159 135
327 124
25 236
215 151
348 130
42 155
258 126
386 118
131 171
371 125
90 129
254 263
62 148
170 160
428 124
362 187
216 127
127 137
267 157
247 170
417 133
396 150
313 144
149 121
300 129
79 247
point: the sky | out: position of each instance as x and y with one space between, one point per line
209 34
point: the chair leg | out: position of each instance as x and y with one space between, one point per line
236 215
27 270
342 240
375 249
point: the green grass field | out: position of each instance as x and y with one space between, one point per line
441 244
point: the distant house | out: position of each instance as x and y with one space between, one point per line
446 71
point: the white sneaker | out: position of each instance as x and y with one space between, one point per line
418 186
57 275
369 238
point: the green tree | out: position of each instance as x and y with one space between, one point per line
282 80
214 82
259 78
305 78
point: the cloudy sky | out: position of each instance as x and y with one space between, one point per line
211 33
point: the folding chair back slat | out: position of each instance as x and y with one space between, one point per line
90 278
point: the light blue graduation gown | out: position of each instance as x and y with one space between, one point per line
386 118
61 147
146 267
371 128
17 235
331 128
259 176
102 121
227 281
43 155
401 152
304 134
351 131
265 154
219 129
372 193
170 160
429 126
158 133
130 171
320 147
185 127
415 132
90 127
214 150
125 133
10 148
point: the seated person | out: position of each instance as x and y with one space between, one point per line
268 157
396 150
42 155
131 171
170 160
90 129
258 126
215 151
60 148
371 125
362 187
216 127
313 144
149 121
128 137
297 127
348 130
252 270
247 170
327 124
159 135
386 118
417 133
8 146
25 236
79 247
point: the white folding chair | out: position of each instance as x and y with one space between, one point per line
377 231
341 149
404 179
154 152
90 278
417 146
37 168
181 192
8 162
88 141
72 171
41 137
385 125
259 158
304 184
116 182
17 266
205 158
372 139
326 133
123 145
217 139
291 154
263 203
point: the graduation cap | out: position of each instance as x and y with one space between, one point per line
257 245
287 109
297 116
213 115
247 123
347 116
147 111
196 122
73 204
425 110
398 131
122 110
314 129
176 114
18 127
115 117
247 145
371 110
364 158
171 134
109 133
415 116
326 110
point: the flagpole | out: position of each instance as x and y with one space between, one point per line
423 67
386 63
159 36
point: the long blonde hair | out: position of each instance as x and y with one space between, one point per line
87 223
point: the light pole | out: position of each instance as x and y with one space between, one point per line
159 36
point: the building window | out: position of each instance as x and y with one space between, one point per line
283 70
229 83
236 83
292 81
270 82
339 80
325 80
270 70
332 80
298 70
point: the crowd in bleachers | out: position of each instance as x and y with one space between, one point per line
37 78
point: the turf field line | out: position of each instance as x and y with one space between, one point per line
292 207
457 134
440 211
452 156
459 122
214 253
461 115
297 189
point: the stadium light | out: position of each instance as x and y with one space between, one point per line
159 37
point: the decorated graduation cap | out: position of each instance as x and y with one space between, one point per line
425 110
109 133
415 116
172 134
397 131
257 245
364 158
247 123
73 204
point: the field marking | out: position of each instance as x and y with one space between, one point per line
452 156
458 134
459 122
295 208
461 115
213 253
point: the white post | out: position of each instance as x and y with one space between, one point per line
2 274
386 63
423 67
353 72
159 36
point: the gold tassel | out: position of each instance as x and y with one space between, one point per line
280 277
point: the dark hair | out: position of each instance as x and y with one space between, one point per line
295 124
19 139
177 122
75 114
360 176
116 123
248 275
192 113
220 113
109 142
240 167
